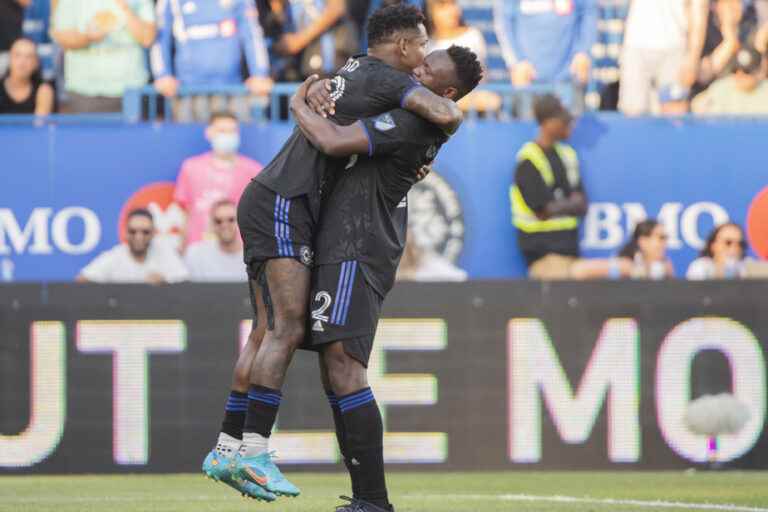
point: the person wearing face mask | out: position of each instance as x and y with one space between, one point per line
219 174
722 256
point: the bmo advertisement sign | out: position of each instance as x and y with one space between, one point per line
66 189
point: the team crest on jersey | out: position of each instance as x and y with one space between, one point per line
384 123
306 255
338 86
431 152
435 216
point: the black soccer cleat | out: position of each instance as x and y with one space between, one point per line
358 505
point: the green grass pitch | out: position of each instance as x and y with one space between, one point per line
539 491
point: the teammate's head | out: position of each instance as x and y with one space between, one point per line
554 119
451 73
139 230
224 221
400 29
223 132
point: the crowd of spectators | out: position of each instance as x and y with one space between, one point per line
671 56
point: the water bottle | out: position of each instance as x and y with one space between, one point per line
6 270
657 271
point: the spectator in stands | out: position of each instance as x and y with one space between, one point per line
36 26
546 42
663 44
22 90
446 28
722 256
11 17
547 196
423 263
219 259
202 44
647 252
213 176
140 260
317 34
103 46
744 92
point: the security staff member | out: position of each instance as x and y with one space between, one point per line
547 197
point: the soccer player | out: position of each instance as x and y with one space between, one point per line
277 215
359 243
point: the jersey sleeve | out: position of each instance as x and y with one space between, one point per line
392 131
532 186
388 89
98 270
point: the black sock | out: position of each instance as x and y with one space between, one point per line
263 404
341 437
234 414
364 439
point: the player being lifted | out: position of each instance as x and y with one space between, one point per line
277 216
359 243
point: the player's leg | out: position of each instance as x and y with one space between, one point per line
218 463
285 288
338 421
364 430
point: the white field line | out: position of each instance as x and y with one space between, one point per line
441 497
590 501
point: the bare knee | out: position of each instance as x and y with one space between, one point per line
290 326
345 374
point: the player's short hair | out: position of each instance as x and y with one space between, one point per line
387 21
469 71
221 114
139 212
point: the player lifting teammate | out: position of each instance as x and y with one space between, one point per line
277 216
359 244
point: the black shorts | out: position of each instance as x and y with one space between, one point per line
273 226
344 308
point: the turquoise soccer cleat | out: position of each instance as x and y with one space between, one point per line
220 468
262 471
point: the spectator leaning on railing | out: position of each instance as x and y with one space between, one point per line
744 92
103 42
140 260
546 41
22 90
221 258
663 43
546 195
11 17
201 43
647 252
219 174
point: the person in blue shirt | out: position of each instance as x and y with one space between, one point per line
546 41
209 39
36 26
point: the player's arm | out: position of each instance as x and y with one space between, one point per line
331 139
441 111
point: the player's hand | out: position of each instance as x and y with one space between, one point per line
95 35
259 85
299 99
423 172
168 86
318 98
523 73
580 66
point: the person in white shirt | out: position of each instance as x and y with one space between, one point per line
722 256
139 260
219 259
663 43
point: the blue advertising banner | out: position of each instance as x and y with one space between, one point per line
64 186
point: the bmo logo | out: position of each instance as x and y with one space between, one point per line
72 230
608 225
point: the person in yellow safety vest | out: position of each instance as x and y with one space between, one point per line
546 196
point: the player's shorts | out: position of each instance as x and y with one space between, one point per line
273 226
344 308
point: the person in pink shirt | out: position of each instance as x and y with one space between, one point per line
219 174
